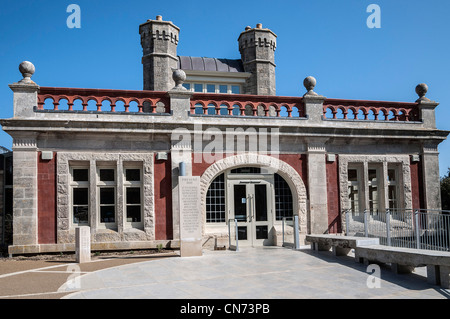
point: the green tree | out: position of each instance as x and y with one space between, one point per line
445 191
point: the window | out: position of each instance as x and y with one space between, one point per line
392 189
235 89
215 201
106 186
79 189
353 190
198 87
213 88
373 190
283 199
378 192
133 196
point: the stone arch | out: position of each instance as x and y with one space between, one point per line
275 165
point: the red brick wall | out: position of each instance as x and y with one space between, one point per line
334 219
46 200
416 185
163 199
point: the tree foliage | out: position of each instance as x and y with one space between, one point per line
445 191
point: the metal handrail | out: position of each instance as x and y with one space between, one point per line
420 229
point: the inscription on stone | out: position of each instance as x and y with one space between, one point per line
190 215
83 244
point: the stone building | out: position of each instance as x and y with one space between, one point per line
110 159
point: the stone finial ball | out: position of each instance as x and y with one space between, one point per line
421 89
309 83
179 76
27 69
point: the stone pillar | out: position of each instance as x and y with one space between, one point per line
317 184
181 150
25 158
159 40
83 244
431 178
426 107
25 92
180 98
313 102
257 47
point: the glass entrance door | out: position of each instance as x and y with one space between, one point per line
251 204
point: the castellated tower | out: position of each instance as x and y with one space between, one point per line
159 40
257 47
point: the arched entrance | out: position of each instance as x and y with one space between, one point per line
243 187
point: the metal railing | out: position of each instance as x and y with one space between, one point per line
420 229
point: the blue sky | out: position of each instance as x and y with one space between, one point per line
328 39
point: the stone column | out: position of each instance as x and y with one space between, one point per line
317 184
431 178
25 207
25 158
181 150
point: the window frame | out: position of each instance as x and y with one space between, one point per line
133 184
78 184
106 184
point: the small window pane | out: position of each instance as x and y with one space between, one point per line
235 89
107 175
133 175
80 214
352 175
133 195
134 214
391 175
198 87
187 86
223 88
80 196
107 214
80 175
210 88
107 196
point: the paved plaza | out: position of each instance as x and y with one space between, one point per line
252 273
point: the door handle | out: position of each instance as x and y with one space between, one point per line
249 199
251 208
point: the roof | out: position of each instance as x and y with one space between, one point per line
209 64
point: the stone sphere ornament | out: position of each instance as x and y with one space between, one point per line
27 69
310 83
421 90
179 76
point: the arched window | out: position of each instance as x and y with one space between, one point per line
215 201
283 199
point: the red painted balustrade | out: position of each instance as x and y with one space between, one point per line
247 105
102 100
370 110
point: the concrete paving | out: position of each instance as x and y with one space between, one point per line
252 273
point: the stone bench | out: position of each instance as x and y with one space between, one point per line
404 260
341 245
